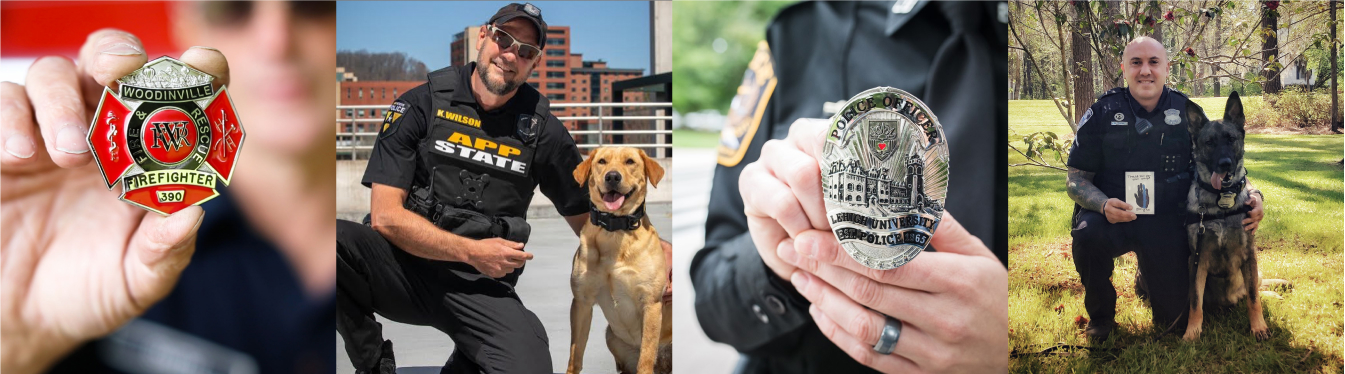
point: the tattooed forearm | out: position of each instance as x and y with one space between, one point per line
1083 192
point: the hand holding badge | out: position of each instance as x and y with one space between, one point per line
166 135
884 177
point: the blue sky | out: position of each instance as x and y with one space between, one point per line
615 31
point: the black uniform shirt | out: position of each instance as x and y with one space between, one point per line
817 52
1109 145
397 161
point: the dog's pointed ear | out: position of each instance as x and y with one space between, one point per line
1233 111
581 171
652 169
1195 118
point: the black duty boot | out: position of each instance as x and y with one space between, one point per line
386 363
1099 329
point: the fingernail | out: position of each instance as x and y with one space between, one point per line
786 252
20 146
799 280
122 49
203 47
809 248
71 140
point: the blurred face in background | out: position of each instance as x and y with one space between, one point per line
281 57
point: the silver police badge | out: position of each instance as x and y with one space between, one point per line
1171 117
884 177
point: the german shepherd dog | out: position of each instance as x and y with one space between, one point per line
1223 254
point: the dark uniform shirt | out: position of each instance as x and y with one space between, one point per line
453 147
826 52
238 305
1109 144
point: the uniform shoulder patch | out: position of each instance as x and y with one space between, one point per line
748 106
1084 119
1112 92
393 116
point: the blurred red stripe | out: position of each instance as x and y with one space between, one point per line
33 29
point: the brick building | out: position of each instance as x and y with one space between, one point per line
381 93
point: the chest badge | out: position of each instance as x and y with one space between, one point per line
1226 199
167 135
1119 117
1172 117
884 177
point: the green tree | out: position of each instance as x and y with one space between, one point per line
714 42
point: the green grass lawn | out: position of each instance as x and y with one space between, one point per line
695 139
1300 239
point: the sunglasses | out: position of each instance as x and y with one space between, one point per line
506 41
239 13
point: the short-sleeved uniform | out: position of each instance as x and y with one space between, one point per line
1109 145
819 52
481 167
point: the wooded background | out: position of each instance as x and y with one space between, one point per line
1069 51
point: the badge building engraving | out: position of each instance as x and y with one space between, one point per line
884 177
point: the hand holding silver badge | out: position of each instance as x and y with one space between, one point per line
884 177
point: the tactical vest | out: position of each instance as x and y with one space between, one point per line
1165 150
475 165
480 174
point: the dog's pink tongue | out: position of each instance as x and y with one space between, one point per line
1217 180
613 201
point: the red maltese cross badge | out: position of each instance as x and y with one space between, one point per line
167 135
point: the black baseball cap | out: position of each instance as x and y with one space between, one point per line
525 10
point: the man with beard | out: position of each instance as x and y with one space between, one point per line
452 172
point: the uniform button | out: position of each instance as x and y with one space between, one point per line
775 305
756 308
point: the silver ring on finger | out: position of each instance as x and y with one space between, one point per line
887 341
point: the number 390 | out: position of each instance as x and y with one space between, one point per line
174 196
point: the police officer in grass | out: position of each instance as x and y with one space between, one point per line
452 172
1133 136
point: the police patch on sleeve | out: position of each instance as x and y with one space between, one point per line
393 116
747 107
1084 120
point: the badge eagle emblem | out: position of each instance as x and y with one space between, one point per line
884 177
167 135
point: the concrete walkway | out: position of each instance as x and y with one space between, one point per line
544 288
693 352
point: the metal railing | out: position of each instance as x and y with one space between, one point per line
358 144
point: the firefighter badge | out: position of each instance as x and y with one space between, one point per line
884 177
167 135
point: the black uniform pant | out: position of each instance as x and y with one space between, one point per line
491 330
1161 247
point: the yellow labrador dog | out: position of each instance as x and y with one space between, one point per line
620 265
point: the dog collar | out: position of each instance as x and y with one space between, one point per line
611 222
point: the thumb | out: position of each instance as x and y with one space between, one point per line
159 250
522 255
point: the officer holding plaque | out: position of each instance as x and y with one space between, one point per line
1129 176
790 273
